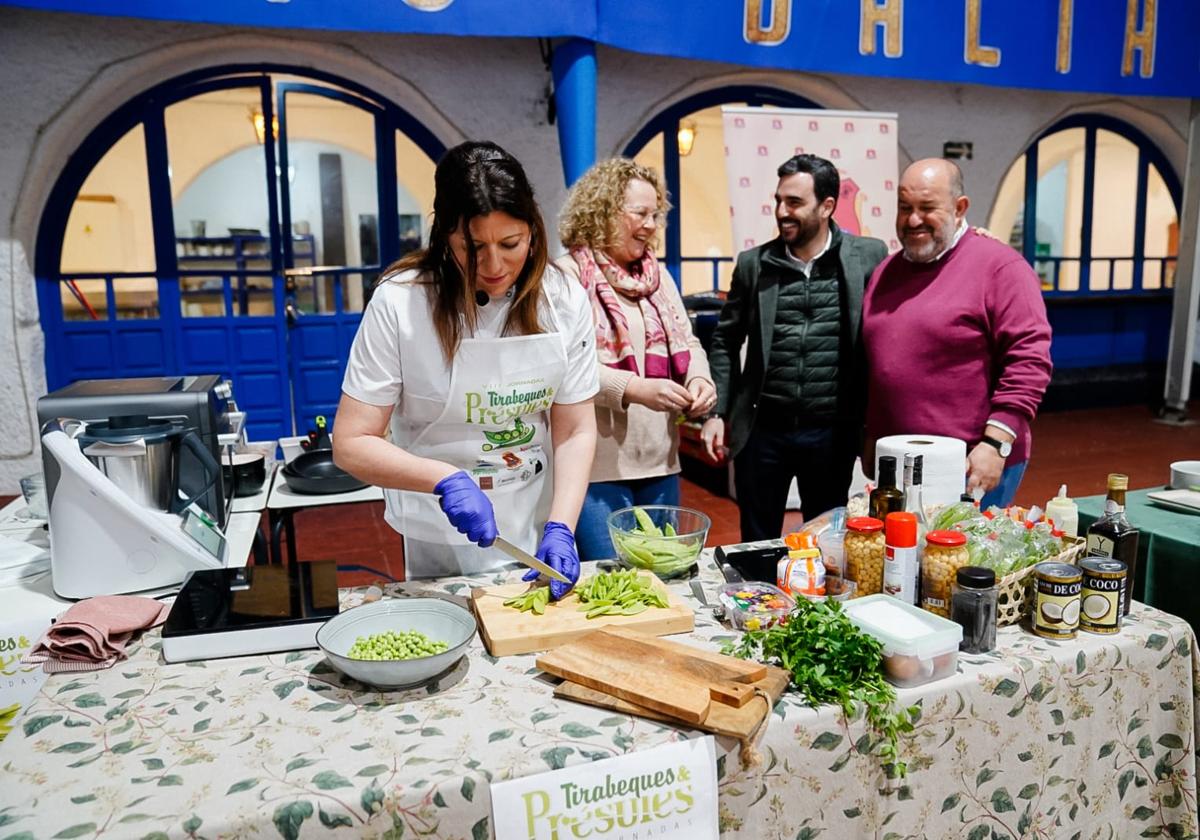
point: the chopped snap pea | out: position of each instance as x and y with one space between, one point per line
618 593
534 600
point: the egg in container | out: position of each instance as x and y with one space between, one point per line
918 646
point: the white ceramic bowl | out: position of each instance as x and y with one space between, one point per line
440 620
1185 474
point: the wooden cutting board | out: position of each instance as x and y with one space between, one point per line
664 676
506 631
741 723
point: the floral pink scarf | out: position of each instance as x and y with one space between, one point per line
667 329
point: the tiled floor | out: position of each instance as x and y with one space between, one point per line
1076 447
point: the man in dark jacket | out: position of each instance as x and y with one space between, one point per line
795 408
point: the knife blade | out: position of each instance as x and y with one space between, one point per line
527 559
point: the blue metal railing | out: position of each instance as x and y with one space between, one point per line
1050 268
234 287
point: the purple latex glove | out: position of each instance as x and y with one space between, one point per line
558 551
467 507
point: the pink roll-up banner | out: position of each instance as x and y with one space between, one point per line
861 144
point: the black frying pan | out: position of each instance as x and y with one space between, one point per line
314 472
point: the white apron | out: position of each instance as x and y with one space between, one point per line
494 425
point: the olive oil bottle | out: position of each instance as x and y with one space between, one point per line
886 497
1112 536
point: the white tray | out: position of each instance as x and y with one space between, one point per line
1184 501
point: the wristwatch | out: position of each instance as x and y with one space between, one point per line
1004 447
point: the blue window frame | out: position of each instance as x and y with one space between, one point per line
265 355
1094 185
1105 203
667 123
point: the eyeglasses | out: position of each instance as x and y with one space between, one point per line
644 213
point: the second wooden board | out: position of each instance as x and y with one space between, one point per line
506 631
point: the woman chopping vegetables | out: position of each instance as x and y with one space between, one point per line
482 358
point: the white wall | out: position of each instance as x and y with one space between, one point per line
60 75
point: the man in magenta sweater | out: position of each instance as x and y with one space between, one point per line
956 335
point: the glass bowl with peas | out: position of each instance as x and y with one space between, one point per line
397 642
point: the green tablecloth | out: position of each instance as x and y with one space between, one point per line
1168 552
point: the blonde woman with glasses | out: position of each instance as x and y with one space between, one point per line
653 371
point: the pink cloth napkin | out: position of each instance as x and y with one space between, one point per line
92 634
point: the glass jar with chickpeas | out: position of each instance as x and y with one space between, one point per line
862 551
945 553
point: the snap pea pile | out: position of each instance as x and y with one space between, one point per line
656 549
618 593
610 593
407 644
535 600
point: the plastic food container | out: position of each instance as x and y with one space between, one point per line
836 589
830 543
918 646
754 606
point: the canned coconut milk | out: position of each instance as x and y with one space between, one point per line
1056 603
1103 595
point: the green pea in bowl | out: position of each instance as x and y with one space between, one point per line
663 539
438 620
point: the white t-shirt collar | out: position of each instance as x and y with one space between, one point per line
806 267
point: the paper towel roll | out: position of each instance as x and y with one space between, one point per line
944 463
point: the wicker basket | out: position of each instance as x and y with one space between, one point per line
1015 596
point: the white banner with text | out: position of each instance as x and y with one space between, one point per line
861 144
665 793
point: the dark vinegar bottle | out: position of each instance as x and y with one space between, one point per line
1112 536
886 497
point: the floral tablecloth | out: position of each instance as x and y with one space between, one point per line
1081 739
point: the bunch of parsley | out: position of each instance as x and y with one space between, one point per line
833 661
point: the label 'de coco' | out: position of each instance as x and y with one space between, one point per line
1056 605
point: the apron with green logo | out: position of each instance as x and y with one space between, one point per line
495 426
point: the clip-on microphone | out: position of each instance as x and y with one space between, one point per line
482 298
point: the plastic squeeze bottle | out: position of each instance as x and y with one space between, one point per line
1063 512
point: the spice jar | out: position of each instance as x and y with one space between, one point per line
863 551
973 605
945 554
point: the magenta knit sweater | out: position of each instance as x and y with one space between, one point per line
955 342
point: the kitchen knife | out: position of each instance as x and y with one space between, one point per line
526 559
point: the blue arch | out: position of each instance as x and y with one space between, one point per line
666 122
1131 133
753 95
1148 154
53 223
272 353
1120 331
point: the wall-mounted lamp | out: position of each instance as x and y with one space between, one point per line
260 126
686 137
958 149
